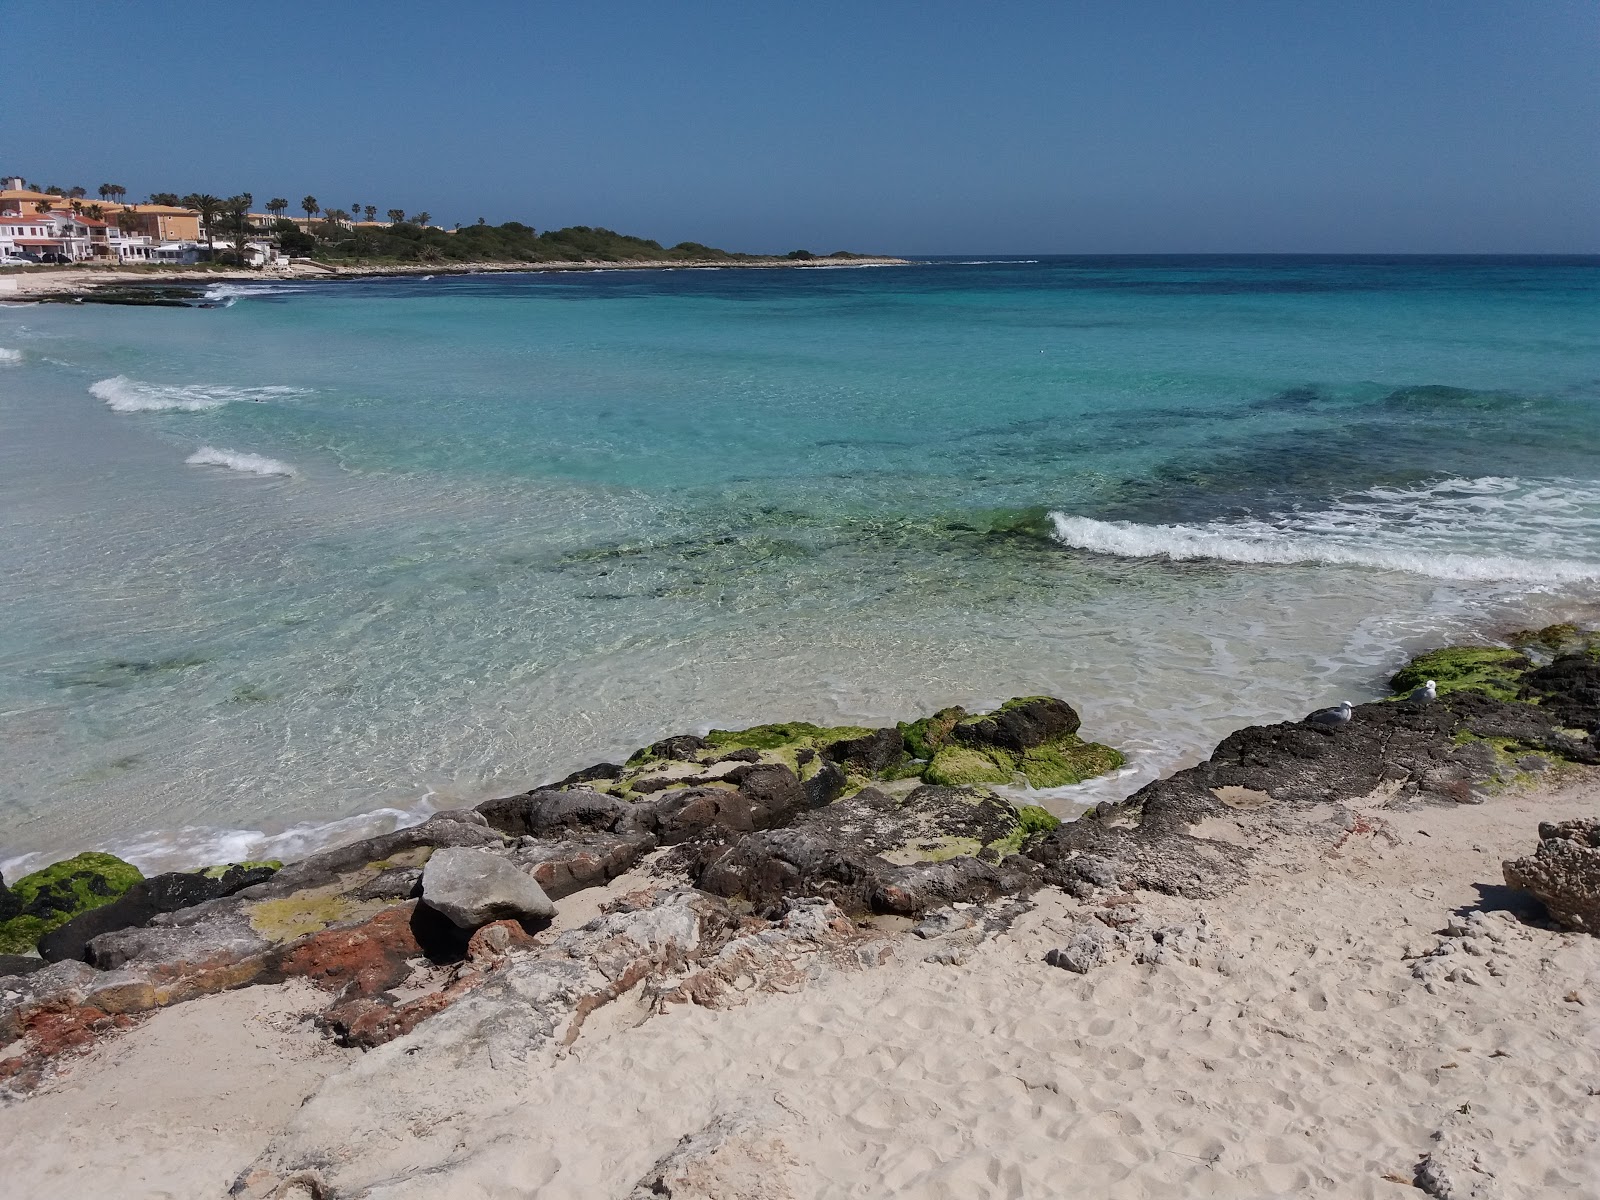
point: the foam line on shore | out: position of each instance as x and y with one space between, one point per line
122 394
235 460
192 847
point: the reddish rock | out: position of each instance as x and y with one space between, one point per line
359 961
582 860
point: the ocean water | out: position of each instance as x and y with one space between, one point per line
325 557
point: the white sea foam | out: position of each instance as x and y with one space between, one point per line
131 395
9 357
252 464
229 292
197 846
1465 530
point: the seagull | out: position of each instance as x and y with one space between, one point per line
1428 691
1332 717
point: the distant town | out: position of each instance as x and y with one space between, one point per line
65 225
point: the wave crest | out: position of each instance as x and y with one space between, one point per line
234 460
1491 529
122 394
9 357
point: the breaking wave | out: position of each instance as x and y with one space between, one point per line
9 357
252 464
1490 529
122 394
230 292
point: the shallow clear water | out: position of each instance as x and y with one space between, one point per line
363 548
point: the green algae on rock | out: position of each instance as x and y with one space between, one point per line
49 898
796 734
1059 763
1492 671
1027 741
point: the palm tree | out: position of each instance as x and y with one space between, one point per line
41 206
170 199
237 210
77 208
423 218
118 191
207 206
355 210
106 189
126 220
277 206
396 215
336 216
77 193
372 212
99 214
309 203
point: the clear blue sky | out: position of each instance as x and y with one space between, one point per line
922 127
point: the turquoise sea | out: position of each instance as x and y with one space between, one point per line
326 556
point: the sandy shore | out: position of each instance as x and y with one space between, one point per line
1285 1044
68 281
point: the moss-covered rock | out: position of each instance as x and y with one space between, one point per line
1491 671
49 898
797 734
964 766
1562 638
1059 763
1067 761
925 735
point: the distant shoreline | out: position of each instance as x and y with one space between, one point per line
47 283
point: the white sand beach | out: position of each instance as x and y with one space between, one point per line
1283 1043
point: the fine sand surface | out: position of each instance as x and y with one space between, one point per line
1294 1052
67 281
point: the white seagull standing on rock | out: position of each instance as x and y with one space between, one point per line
1428 691
1332 717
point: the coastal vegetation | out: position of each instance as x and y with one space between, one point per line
338 240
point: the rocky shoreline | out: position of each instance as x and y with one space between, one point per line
180 287
755 860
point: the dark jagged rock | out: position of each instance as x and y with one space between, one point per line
827 785
1569 689
1019 725
10 906
144 900
594 774
548 811
1082 856
689 812
20 964
1564 872
879 852
747 754
872 754
681 747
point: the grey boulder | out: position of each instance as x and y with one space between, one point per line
474 887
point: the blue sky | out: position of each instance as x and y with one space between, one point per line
1116 126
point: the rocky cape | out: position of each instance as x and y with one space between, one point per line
764 856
